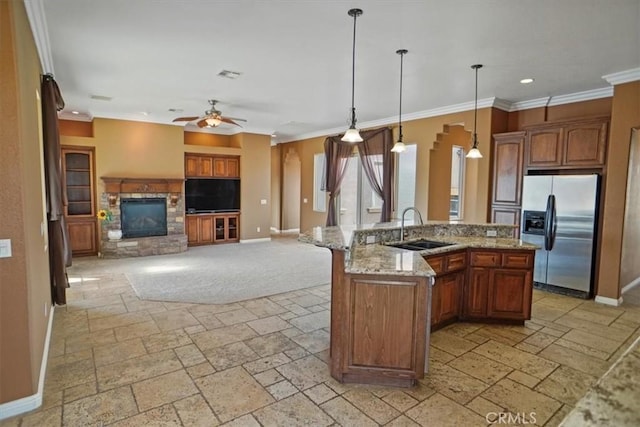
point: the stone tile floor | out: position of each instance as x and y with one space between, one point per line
117 360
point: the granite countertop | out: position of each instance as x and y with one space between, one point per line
379 258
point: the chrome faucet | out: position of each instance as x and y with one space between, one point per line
410 208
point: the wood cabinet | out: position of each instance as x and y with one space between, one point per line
79 187
378 327
567 145
209 166
507 172
500 284
226 167
447 290
205 229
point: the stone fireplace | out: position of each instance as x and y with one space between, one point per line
150 213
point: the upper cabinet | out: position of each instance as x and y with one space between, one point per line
507 171
211 166
568 145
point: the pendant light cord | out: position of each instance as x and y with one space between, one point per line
353 72
401 53
475 111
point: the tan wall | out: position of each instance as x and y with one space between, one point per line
276 184
24 294
255 173
625 115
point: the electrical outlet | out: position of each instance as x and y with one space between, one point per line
371 239
305 200
258 229
263 201
492 233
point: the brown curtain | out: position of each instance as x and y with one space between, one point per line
59 248
377 144
337 154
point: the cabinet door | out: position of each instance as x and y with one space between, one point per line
233 168
585 144
220 167
475 298
190 166
450 287
232 228
508 153
506 215
192 230
205 229
83 238
220 228
205 166
510 291
544 148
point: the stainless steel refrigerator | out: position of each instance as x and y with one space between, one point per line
559 214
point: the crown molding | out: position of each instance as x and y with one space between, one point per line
38 22
621 77
587 95
82 117
531 103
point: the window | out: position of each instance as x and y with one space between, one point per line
406 180
319 196
358 203
457 182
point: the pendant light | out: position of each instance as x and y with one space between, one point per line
352 135
474 153
399 146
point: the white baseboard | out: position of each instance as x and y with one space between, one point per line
29 403
635 282
264 239
291 230
608 301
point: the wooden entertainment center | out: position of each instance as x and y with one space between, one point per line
206 228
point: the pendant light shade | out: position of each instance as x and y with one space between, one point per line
352 135
474 153
399 146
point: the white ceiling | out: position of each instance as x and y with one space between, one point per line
295 56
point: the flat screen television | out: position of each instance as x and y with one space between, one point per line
212 195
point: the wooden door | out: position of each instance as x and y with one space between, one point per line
190 166
192 230
205 229
508 152
205 166
220 167
78 169
233 168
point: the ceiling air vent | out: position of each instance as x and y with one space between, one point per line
229 74
101 97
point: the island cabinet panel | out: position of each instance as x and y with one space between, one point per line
448 288
379 329
373 304
500 283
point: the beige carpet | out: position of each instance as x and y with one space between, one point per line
221 274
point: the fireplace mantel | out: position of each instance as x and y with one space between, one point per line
114 185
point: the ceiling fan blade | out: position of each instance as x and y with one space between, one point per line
228 120
202 123
236 119
185 119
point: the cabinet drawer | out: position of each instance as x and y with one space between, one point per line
485 259
456 261
437 263
517 260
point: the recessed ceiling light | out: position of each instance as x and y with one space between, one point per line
144 113
526 81
229 74
75 112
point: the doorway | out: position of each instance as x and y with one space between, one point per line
629 267
291 176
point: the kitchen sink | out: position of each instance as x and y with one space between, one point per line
420 245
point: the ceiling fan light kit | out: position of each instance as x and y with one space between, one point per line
399 146
352 135
212 118
474 153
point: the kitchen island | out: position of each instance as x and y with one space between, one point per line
385 300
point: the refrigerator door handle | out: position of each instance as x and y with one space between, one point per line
550 223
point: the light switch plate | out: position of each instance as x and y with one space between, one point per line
5 248
371 239
263 201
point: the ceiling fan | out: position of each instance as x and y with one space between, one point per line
212 118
